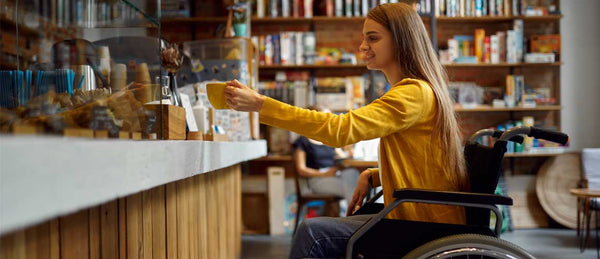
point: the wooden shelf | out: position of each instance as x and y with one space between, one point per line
521 64
336 66
8 66
493 19
541 152
193 20
271 20
485 108
362 66
24 30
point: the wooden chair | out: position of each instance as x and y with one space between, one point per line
590 160
332 207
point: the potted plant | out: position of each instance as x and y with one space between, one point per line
239 19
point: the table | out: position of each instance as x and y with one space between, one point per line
586 195
110 198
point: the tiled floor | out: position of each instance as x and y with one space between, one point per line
542 243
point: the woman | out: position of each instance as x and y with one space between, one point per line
420 145
316 162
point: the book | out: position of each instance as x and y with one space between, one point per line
511 48
364 7
518 28
356 7
297 8
453 49
479 41
339 8
299 49
545 43
274 8
478 8
260 8
285 8
348 8
285 43
310 43
261 49
268 50
308 8
276 49
487 50
495 49
501 46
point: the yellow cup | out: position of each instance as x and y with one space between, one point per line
216 95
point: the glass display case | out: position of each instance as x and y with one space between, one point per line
100 68
86 67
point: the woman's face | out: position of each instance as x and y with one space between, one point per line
377 46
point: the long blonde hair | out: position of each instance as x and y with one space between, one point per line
417 59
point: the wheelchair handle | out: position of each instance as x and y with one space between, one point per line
494 133
550 135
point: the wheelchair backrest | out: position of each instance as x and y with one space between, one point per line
484 166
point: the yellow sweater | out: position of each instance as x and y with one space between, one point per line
404 119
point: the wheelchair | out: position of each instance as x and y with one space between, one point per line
389 238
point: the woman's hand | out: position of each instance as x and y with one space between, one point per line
362 186
242 98
331 171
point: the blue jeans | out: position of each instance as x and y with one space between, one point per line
325 237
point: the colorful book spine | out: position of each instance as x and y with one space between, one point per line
487 50
518 28
478 8
261 49
479 41
453 49
364 7
260 8
511 47
501 46
274 8
492 5
339 8
356 7
285 8
308 8
284 49
268 50
299 48
495 49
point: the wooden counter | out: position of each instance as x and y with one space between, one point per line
82 198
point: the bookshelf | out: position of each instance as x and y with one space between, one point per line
487 108
495 19
344 33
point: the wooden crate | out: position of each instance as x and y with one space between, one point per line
172 121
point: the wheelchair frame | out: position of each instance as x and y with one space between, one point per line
477 200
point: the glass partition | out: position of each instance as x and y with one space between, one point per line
83 67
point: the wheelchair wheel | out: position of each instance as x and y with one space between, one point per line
468 246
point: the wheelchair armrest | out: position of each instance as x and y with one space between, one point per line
487 201
454 197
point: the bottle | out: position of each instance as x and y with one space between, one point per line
201 115
165 92
528 141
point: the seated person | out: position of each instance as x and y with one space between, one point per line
316 162
420 144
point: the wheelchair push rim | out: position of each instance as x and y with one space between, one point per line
469 246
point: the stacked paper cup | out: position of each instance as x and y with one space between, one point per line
118 77
104 67
142 75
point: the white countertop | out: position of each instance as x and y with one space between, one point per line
44 177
